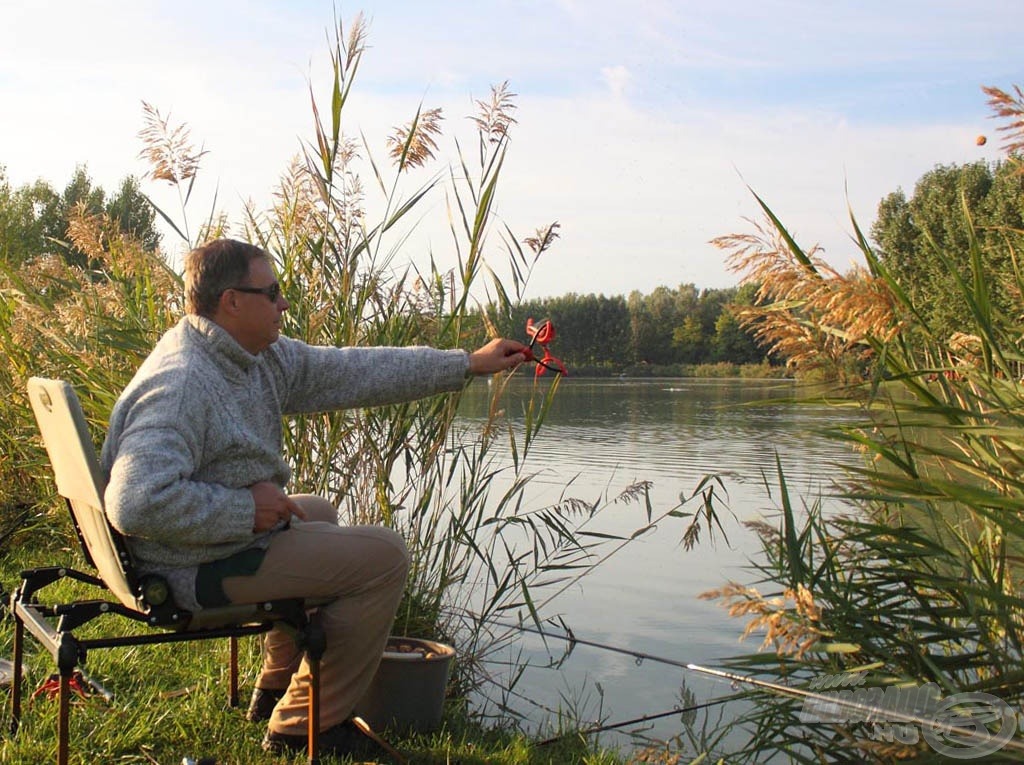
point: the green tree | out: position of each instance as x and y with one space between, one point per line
911 234
592 330
653 319
22 232
34 218
709 308
689 340
732 343
134 214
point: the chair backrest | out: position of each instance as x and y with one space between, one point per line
80 481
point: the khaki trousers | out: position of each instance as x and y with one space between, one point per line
365 568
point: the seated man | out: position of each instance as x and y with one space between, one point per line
197 480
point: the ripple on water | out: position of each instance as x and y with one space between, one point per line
603 436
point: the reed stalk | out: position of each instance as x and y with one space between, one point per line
478 549
918 580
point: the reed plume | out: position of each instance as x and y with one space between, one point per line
790 621
414 144
169 150
1009 107
542 238
495 116
806 311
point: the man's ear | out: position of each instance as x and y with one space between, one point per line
227 303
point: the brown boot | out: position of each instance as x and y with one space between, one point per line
262 703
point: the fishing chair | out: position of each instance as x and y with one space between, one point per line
142 599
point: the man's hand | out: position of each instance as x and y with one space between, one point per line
272 506
497 356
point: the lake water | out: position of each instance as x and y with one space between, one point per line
602 436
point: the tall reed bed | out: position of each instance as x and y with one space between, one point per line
479 550
920 580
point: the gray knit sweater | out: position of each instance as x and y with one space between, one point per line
201 422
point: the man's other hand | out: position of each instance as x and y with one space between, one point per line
273 506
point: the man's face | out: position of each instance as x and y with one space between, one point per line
259 320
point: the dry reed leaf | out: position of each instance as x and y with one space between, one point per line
178 693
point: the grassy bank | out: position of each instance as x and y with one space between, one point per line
170 702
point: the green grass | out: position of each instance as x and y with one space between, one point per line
171 701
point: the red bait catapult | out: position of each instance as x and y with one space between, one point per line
542 334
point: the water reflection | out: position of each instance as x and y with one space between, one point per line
678 432
604 435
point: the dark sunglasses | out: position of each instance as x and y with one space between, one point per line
273 291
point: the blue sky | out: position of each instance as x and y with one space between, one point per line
640 125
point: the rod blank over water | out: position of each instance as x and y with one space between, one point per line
978 734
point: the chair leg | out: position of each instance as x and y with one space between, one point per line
314 712
63 718
19 642
315 646
233 673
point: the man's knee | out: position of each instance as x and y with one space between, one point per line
396 548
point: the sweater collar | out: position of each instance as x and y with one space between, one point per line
220 343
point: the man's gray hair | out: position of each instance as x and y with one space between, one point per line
215 267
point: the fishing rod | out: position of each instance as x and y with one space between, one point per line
642 719
602 727
977 734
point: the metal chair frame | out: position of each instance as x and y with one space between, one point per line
138 598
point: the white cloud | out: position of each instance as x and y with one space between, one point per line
640 184
616 78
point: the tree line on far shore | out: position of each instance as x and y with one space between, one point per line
658 333
672 329
595 334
